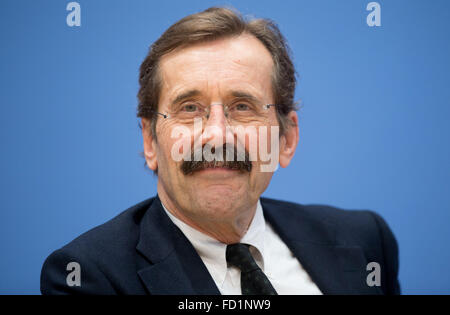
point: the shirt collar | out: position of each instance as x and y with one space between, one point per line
212 252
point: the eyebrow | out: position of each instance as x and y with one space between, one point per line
191 93
185 95
242 94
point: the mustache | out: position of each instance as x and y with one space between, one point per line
191 166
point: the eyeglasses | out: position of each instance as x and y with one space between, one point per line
236 112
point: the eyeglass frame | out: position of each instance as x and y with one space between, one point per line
167 116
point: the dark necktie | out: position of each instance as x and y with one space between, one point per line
253 280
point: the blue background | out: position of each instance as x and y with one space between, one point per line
374 124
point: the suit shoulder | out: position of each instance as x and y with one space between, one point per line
350 226
320 212
102 253
120 232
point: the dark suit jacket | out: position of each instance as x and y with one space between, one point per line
142 252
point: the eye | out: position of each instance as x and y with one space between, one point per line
242 107
190 108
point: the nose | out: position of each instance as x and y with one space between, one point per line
216 131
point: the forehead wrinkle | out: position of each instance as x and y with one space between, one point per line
214 66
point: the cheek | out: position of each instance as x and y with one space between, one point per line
180 143
175 146
259 181
261 143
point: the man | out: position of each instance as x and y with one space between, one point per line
216 103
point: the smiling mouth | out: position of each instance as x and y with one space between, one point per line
219 173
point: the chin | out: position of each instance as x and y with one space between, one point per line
220 201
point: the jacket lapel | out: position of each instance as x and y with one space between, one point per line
334 268
175 267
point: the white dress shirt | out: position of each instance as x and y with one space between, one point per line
275 259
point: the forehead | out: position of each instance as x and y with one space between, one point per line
218 68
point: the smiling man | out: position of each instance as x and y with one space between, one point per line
218 115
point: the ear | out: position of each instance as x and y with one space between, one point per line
149 145
289 140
